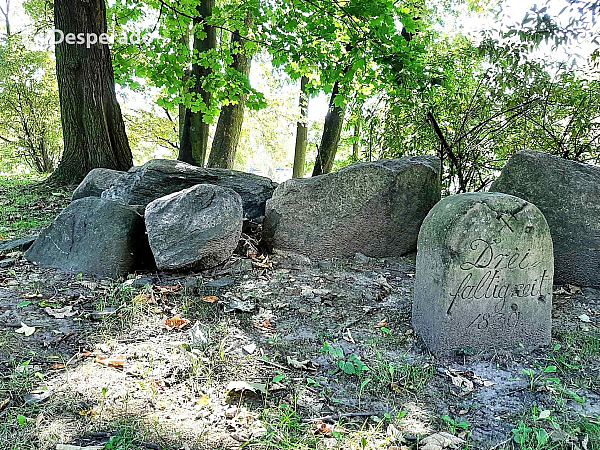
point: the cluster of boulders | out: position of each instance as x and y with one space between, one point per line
171 215
165 214
174 216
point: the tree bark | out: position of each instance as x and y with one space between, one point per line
194 136
229 126
332 132
93 129
301 131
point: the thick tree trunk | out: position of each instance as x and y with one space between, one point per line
332 132
229 126
93 129
194 136
301 131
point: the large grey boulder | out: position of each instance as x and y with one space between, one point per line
97 181
94 236
484 275
197 228
568 194
161 177
373 208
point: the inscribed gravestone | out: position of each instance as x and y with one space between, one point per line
484 274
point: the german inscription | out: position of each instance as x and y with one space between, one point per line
484 274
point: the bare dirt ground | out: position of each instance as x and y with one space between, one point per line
276 352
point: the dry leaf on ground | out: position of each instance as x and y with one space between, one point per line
241 386
176 323
210 299
322 428
167 289
61 313
144 298
26 330
117 361
439 441
302 365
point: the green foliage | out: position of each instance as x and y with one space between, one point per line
30 129
351 365
164 57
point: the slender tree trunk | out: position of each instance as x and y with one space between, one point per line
301 131
332 132
356 143
93 129
194 137
6 12
229 126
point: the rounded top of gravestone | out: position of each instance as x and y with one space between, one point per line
455 217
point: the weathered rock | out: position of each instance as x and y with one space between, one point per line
94 236
197 228
97 181
161 177
17 245
568 194
484 275
371 208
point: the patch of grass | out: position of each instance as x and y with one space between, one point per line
284 430
399 378
26 205
576 349
539 429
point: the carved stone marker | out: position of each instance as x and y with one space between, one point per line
484 275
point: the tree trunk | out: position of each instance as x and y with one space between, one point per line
194 137
356 143
93 129
332 132
301 131
229 126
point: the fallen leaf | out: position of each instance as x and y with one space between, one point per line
176 323
265 325
322 428
26 330
241 386
544 414
167 289
116 361
302 365
36 295
57 366
61 313
574 289
3 403
203 401
88 412
144 298
382 324
210 299
250 348
35 397
439 441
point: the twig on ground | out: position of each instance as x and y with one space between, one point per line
336 417
270 363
